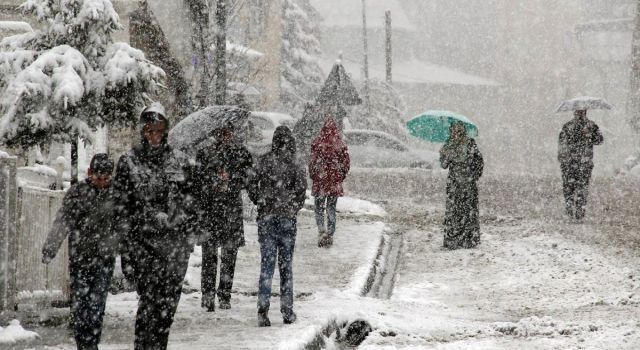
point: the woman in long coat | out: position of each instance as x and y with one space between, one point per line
461 156
328 167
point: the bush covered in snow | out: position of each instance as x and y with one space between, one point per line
68 78
388 110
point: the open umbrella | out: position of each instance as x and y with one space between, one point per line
192 132
583 103
433 126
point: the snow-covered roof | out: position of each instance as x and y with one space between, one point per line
414 72
348 13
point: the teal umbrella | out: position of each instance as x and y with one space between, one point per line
433 126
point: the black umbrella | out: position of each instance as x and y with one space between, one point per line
193 131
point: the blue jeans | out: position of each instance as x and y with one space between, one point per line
277 237
330 203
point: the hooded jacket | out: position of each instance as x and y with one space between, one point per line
278 184
330 162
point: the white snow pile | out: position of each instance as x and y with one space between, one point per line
16 26
352 206
359 206
14 333
541 326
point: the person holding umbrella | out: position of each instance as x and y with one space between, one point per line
222 172
575 154
460 154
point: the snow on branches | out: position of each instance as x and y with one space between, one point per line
65 80
301 76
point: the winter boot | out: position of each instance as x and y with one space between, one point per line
322 236
224 304
329 241
289 318
263 319
208 303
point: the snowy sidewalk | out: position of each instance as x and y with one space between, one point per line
321 278
530 285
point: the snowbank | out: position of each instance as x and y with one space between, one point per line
14 333
352 206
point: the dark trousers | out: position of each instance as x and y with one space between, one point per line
575 184
159 283
277 237
228 255
329 203
90 279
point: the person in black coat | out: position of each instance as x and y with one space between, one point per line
86 217
575 153
152 187
460 154
222 173
278 187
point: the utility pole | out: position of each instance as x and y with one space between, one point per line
367 99
202 46
388 48
221 52
633 102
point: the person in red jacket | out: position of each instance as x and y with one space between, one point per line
328 167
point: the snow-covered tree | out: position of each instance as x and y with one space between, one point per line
301 76
388 111
63 81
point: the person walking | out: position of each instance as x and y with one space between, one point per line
278 188
328 168
86 217
222 172
460 154
152 186
575 153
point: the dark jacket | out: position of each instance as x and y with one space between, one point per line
576 141
152 198
461 222
221 174
279 183
465 162
86 217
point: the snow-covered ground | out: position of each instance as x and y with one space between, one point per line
324 281
536 282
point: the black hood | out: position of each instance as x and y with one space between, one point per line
283 144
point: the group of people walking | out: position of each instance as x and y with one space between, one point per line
159 204
460 154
